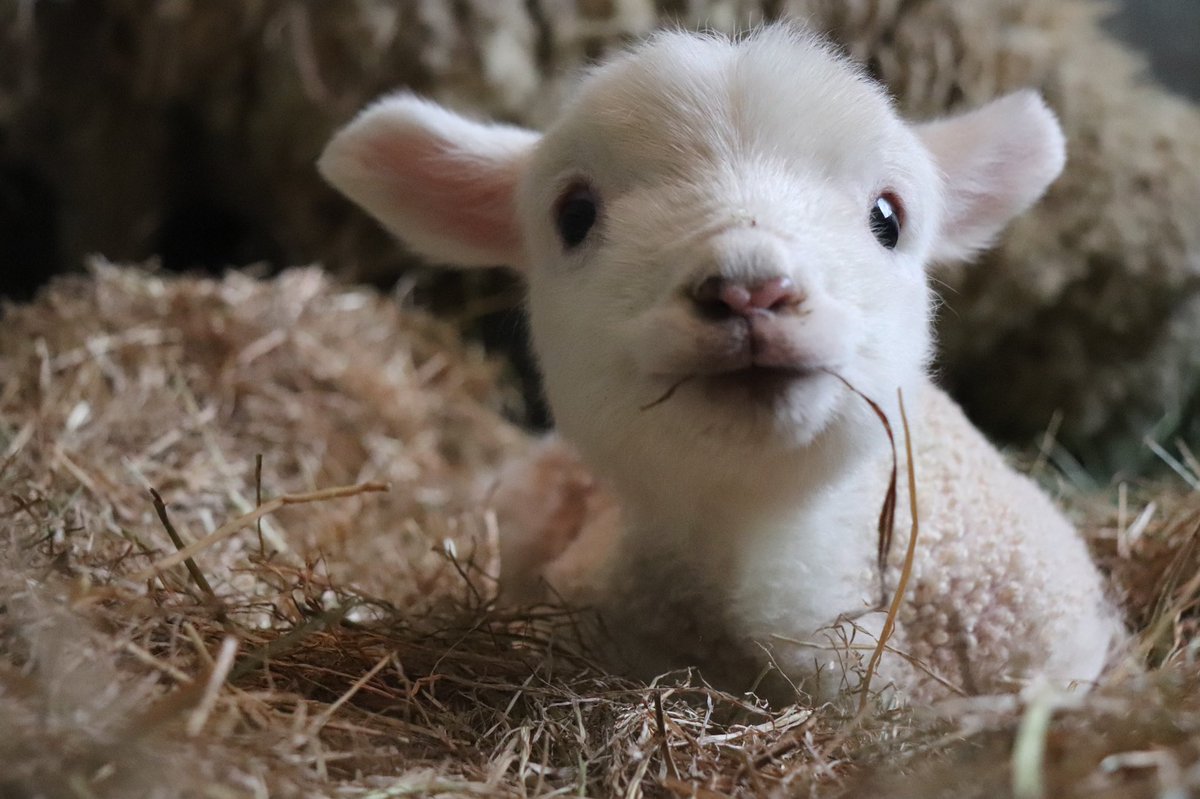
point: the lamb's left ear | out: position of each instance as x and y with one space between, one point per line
996 162
445 184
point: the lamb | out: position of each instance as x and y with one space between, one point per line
726 244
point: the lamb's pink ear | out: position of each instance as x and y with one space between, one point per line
996 162
444 184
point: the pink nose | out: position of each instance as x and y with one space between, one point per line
717 296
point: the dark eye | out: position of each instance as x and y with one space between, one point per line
575 214
885 220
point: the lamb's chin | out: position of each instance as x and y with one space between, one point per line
762 409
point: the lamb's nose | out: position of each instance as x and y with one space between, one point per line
720 298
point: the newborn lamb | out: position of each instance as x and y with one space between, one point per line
726 246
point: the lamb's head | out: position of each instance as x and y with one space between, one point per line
726 226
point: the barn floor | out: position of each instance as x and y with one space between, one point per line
332 638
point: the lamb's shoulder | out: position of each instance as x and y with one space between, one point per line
1003 585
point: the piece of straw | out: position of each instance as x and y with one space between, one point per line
245 520
160 508
889 625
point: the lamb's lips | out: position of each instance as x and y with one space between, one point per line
769 343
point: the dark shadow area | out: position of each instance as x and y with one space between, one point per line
29 234
1168 32
198 230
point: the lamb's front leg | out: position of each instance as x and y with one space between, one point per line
558 526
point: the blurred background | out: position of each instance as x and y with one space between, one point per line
183 132
1168 32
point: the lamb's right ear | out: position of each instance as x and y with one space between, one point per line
444 184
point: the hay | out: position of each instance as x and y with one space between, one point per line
350 646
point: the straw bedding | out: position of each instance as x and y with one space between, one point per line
348 646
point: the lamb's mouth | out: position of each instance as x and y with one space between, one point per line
761 383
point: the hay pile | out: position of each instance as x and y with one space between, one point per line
349 647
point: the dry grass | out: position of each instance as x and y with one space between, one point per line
349 646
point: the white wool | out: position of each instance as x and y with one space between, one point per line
746 530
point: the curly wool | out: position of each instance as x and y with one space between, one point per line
998 573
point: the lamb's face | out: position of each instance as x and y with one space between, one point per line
761 223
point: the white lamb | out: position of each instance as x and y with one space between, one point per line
720 239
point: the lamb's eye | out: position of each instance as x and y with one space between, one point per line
885 220
575 214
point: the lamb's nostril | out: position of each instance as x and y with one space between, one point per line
737 298
709 298
775 295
